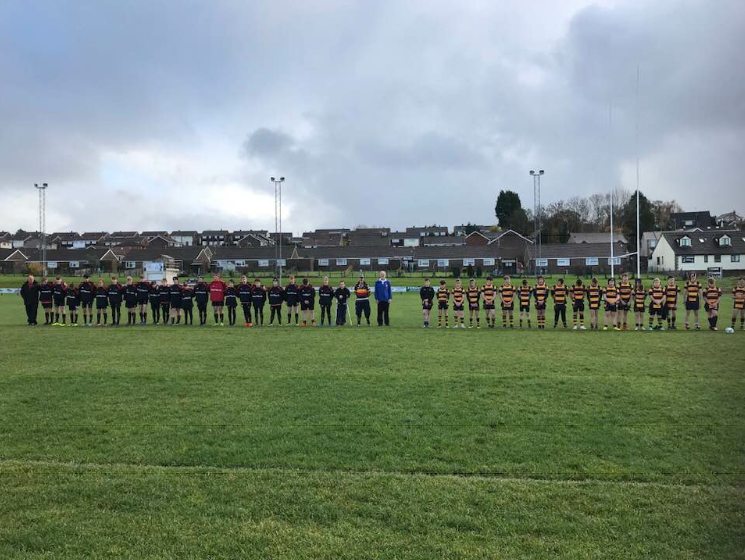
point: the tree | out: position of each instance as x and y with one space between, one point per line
662 211
628 218
469 228
508 205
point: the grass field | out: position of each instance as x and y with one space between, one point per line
154 442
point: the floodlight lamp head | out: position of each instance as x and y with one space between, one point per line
271 178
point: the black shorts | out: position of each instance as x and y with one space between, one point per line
611 306
202 305
489 306
623 305
218 304
442 305
186 306
639 308
474 306
540 306
708 307
508 306
142 301
524 308
307 305
46 304
231 305
73 307
594 306
291 302
693 305
578 306
130 304
457 307
102 304
86 304
655 311
59 302
427 306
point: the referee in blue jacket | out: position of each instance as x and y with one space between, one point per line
383 295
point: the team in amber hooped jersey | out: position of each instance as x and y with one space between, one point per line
712 295
443 298
671 302
507 294
473 294
458 295
577 293
738 297
524 292
611 305
559 293
624 300
540 295
640 295
594 298
656 304
489 297
692 292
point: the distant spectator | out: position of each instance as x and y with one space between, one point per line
30 295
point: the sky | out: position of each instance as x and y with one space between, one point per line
173 114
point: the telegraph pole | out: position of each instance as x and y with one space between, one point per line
278 224
537 211
43 223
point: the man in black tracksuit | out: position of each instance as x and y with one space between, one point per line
30 295
153 297
87 293
276 296
325 299
245 295
341 295
259 298
115 301
202 297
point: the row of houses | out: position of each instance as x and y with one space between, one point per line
511 253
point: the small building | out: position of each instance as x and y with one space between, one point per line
428 231
691 220
699 251
602 237
216 238
579 259
444 241
185 238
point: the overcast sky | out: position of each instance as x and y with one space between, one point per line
173 114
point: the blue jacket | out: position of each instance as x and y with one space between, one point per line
383 290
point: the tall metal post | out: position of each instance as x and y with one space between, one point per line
278 224
537 211
43 224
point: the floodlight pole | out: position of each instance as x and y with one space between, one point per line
278 224
43 223
537 212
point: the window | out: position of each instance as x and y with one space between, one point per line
689 259
685 241
734 258
717 258
651 243
658 260
725 241
706 258
130 264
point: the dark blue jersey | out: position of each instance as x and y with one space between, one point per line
306 293
201 293
115 294
245 293
276 295
231 296
165 294
58 294
72 298
102 297
342 295
258 295
86 292
291 294
130 294
143 291
175 290
45 293
187 298
153 295
325 295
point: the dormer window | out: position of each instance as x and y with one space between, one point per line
725 241
685 241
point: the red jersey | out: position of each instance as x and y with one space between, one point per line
217 290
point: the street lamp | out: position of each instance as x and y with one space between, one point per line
537 210
43 223
278 232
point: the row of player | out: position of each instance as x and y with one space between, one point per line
616 301
171 303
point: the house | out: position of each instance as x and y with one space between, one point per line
66 240
428 231
185 238
461 229
322 239
647 243
58 261
730 220
580 259
700 251
192 260
481 237
5 240
216 238
405 239
161 241
691 220
369 237
89 238
444 241
603 237
252 240
126 240
286 237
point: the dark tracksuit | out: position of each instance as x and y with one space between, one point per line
102 303
231 302
325 299
291 300
154 297
175 290
259 298
30 295
165 302
130 302
276 296
87 293
58 295
342 296
45 298
187 304
143 295
115 301
202 296
245 293
73 300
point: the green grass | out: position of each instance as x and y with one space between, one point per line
370 443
